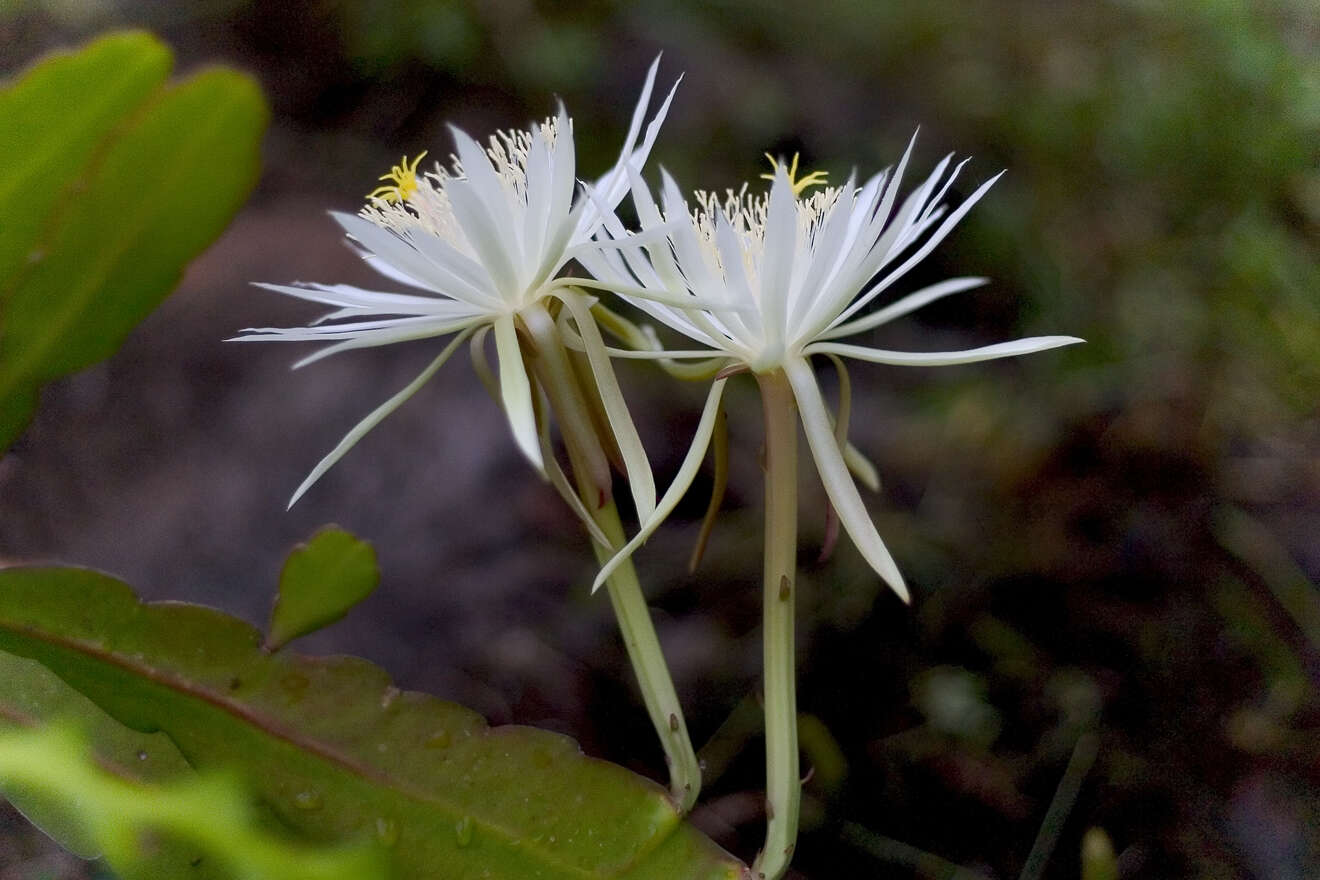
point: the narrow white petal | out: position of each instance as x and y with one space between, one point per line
485 236
910 303
320 332
662 355
645 238
638 159
539 175
943 358
731 259
894 181
370 301
613 185
385 336
687 472
639 112
647 211
934 203
862 468
494 196
375 418
777 259
389 248
563 164
839 486
480 365
641 482
945 228
384 268
555 250
825 253
516 390
559 480
678 300
457 274
661 264
630 263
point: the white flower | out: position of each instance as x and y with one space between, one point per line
476 244
773 280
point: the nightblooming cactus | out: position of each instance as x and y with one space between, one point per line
478 246
762 284
772 280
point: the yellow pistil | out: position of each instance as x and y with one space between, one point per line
815 178
403 181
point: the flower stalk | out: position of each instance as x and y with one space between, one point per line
555 374
783 780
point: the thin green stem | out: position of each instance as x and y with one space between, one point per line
585 452
648 664
783 779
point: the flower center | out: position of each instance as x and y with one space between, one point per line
815 178
403 181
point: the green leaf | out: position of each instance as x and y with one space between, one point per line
336 750
127 820
33 695
1098 859
321 581
113 182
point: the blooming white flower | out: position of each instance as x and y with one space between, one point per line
477 244
772 280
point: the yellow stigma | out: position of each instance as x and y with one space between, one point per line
815 178
403 181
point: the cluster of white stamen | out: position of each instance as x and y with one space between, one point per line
426 209
747 213
508 152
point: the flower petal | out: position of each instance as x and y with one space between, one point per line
613 185
371 301
943 358
562 218
539 171
910 303
641 482
397 330
516 390
459 275
376 417
861 467
936 237
777 259
495 197
482 233
687 472
389 248
839 486
559 480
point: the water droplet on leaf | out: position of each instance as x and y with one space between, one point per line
463 831
387 831
307 800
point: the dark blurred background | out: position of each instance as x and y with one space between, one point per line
1112 548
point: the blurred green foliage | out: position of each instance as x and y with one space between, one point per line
116 181
208 817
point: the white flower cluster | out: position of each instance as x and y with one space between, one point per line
762 281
